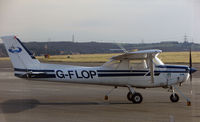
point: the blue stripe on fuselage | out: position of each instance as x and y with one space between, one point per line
137 71
35 75
173 67
119 73
33 70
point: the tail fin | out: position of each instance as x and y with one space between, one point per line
20 56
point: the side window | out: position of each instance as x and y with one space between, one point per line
137 64
148 63
156 61
112 64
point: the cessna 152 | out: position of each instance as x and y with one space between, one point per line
140 69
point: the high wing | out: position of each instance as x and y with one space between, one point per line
137 55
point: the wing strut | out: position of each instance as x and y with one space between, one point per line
151 66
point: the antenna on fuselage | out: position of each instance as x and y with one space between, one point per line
121 48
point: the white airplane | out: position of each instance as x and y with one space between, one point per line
140 69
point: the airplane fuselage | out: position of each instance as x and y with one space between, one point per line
165 75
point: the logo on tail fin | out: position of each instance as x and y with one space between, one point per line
15 49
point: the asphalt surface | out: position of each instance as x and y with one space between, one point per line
39 101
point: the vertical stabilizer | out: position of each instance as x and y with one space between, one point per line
20 56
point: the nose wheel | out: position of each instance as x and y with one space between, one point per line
174 97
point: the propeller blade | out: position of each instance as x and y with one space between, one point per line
190 63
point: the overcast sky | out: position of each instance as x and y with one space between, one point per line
101 20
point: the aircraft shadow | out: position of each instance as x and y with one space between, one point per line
19 105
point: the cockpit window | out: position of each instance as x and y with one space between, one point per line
141 64
157 61
137 64
112 64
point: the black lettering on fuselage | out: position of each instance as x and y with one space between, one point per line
85 74
77 74
60 74
70 73
92 73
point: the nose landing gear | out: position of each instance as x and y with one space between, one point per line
175 98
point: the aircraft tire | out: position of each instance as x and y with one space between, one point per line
129 96
137 98
174 98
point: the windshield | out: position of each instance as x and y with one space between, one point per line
140 64
157 61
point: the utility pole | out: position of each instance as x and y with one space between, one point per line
73 38
185 38
142 41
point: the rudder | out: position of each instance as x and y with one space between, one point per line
20 56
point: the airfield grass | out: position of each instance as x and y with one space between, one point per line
166 57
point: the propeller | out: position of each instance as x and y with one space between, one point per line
190 63
191 70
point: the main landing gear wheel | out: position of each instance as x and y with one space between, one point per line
129 96
174 97
133 96
136 98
